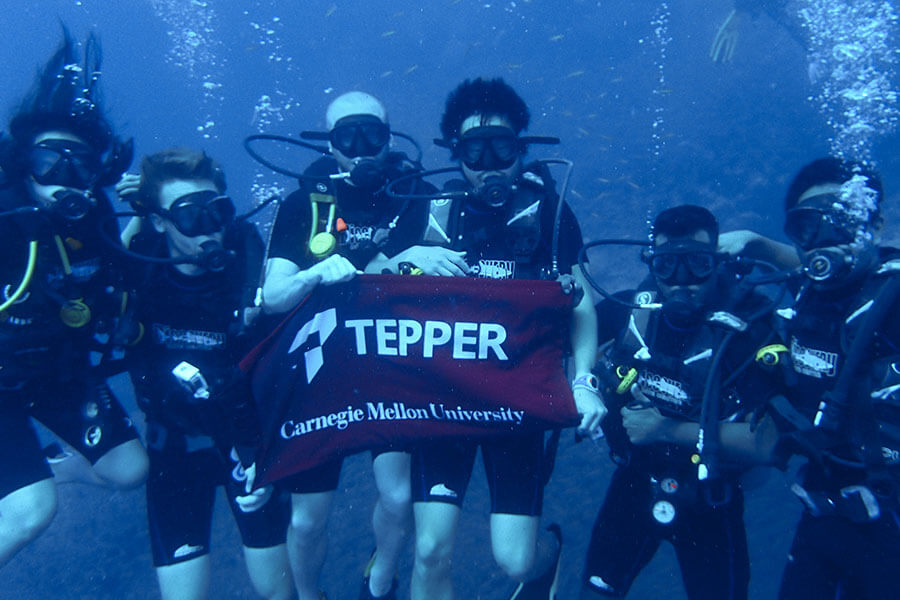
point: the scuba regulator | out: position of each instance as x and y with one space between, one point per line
214 257
366 173
833 266
494 193
72 205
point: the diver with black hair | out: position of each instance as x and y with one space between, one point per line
672 376
62 316
197 312
339 222
500 218
842 369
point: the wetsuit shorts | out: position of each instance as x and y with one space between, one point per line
87 417
516 467
710 541
23 461
181 491
833 557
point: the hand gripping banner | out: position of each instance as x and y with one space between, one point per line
392 360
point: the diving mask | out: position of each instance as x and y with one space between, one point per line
359 135
817 224
200 213
683 263
488 148
65 163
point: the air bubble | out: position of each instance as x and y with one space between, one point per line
851 62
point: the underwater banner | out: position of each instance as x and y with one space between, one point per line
395 359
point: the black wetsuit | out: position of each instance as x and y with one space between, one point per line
55 350
200 320
515 464
374 223
655 494
848 537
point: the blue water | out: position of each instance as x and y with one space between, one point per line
728 137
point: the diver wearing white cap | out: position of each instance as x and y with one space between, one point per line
338 222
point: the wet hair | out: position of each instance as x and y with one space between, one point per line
685 221
490 98
176 163
831 170
66 96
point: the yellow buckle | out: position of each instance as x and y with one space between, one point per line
771 354
627 378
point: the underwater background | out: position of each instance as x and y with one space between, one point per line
648 118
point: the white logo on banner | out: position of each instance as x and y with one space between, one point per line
324 324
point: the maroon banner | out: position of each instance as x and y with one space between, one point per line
395 359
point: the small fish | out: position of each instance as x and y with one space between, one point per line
617 80
576 73
410 69
513 66
632 184
388 33
556 38
602 179
584 132
330 10
576 193
387 73
666 91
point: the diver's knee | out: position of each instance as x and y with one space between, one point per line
309 520
28 511
515 561
432 552
397 501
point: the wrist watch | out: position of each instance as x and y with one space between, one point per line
587 381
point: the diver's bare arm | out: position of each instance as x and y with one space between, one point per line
286 285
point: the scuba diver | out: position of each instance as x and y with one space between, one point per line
500 220
196 308
63 298
843 376
339 222
691 367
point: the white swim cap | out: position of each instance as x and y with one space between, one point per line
354 103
